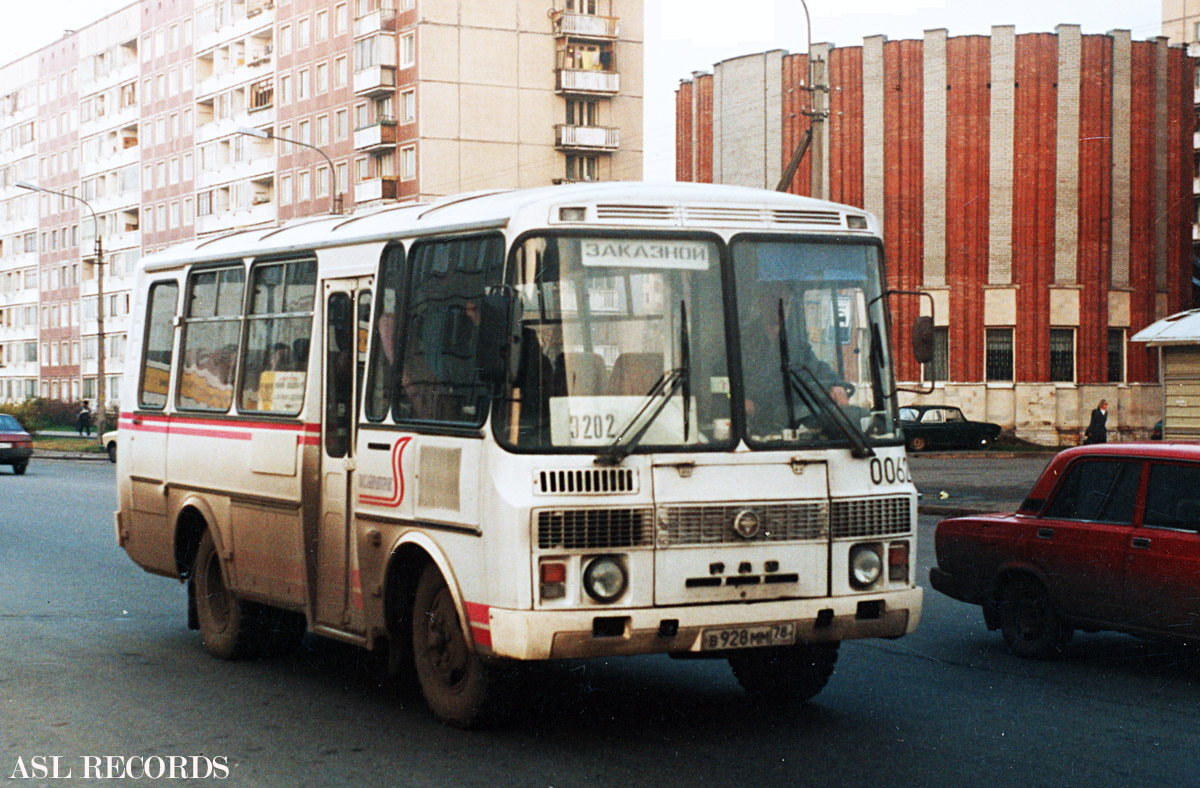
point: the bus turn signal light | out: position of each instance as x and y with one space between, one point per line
554 579
898 562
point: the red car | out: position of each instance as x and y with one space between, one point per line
1109 539
16 446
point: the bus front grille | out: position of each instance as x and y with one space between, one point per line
714 523
591 529
856 519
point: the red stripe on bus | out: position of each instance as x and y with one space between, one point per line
397 479
478 614
308 427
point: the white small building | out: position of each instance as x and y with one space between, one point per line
1178 341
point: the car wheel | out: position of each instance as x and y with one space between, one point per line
19 467
919 443
1028 622
112 452
454 679
787 673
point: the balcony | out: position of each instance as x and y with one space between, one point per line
585 25
590 82
378 135
381 20
592 138
375 81
375 189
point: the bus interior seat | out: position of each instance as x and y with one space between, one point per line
300 353
635 373
580 374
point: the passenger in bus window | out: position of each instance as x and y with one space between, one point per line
281 358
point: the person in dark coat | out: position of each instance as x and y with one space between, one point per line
83 422
1097 431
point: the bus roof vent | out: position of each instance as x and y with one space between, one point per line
719 215
827 218
637 213
585 481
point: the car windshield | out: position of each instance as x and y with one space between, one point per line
9 424
623 345
814 307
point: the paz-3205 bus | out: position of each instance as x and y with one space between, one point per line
574 421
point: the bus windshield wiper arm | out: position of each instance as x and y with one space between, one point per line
815 395
812 391
665 387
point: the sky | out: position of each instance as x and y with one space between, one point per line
683 36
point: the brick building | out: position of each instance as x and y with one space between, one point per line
139 114
1038 186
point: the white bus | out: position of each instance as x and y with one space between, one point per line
573 421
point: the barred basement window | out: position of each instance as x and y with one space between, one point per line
1062 355
939 368
1116 355
999 354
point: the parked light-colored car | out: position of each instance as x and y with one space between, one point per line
109 440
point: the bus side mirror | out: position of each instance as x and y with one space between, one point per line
922 339
499 335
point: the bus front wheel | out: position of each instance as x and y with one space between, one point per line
453 678
226 622
790 673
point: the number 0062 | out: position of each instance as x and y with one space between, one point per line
781 634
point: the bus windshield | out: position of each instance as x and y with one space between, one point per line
813 338
623 343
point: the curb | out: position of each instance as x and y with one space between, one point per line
45 454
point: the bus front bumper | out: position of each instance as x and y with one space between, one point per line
596 632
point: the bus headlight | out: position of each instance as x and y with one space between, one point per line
865 565
604 579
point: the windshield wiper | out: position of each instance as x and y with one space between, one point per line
816 397
666 385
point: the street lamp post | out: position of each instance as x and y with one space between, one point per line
100 401
267 134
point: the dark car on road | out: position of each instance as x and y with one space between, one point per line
16 445
1109 539
944 427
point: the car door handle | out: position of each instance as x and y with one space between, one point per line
1045 533
1141 543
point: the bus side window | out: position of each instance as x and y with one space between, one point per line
438 379
156 352
382 367
211 329
279 329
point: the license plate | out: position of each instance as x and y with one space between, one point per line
752 636
4 445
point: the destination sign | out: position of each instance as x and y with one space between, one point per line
645 253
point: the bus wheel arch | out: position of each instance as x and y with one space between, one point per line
407 560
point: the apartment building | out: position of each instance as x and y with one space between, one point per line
133 129
1181 26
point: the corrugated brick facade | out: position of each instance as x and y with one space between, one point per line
1038 182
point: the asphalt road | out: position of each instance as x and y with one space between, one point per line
97 661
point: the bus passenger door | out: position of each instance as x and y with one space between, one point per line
338 598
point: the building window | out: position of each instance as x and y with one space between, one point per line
408 52
408 106
408 163
999 362
582 168
583 113
939 368
1062 355
1116 355
341 124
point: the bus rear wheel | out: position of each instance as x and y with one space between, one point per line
453 678
228 626
785 673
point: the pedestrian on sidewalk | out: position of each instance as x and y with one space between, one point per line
83 422
1097 431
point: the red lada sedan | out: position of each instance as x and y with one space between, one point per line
1109 539
16 446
